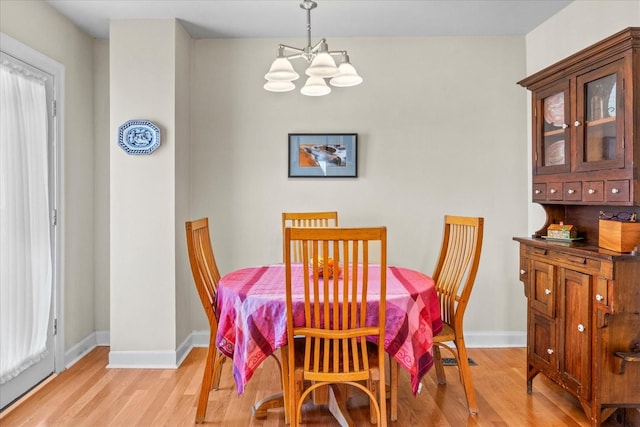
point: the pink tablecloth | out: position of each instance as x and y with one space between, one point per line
253 322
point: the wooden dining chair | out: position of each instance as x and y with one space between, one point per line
206 276
305 220
454 277
330 346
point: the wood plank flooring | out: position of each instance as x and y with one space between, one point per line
89 394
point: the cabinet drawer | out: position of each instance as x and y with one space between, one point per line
539 192
564 259
593 191
617 191
554 191
572 191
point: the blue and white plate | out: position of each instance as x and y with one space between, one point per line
138 137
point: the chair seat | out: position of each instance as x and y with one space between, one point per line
447 334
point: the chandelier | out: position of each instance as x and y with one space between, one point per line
321 65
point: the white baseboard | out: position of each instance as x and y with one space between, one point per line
173 359
81 349
200 338
495 339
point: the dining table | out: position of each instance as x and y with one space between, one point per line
252 322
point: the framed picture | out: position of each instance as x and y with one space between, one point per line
323 155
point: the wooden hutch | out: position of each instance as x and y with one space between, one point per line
583 309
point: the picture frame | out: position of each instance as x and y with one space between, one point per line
323 155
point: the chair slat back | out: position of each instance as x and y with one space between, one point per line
336 302
203 266
306 220
457 265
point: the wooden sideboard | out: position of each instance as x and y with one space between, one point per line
583 309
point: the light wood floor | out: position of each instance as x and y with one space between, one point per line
89 394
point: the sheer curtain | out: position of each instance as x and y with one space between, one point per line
25 244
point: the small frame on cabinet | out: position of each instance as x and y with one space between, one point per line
323 155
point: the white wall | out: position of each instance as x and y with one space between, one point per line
574 28
142 198
442 130
184 282
101 185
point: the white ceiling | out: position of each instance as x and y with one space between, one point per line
332 18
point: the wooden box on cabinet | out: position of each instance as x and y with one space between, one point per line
619 236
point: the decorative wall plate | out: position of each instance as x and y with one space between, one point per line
138 137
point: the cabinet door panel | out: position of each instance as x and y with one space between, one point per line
542 292
551 131
575 366
541 346
600 120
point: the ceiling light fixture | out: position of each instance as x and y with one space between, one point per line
322 66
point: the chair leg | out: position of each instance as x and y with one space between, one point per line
437 361
217 369
465 373
205 388
382 401
393 393
373 414
295 391
284 378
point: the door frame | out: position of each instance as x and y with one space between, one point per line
30 56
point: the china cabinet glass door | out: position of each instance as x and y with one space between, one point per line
552 144
600 119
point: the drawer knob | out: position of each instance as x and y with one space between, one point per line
537 191
591 191
547 291
571 191
599 297
553 191
564 126
581 327
523 271
576 123
550 351
615 191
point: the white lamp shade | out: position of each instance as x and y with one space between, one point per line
348 76
279 86
315 86
322 65
281 70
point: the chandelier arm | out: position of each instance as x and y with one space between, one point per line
296 56
297 49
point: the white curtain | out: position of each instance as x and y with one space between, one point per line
25 244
